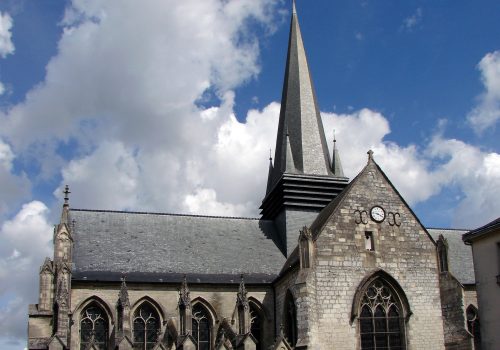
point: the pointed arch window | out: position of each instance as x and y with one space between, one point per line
202 327
290 318
473 325
256 325
381 321
93 328
146 323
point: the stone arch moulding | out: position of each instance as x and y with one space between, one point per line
387 279
208 306
101 303
260 307
146 299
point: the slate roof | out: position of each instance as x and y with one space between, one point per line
152 247
460 262
481 231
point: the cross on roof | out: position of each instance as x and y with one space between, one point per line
66 193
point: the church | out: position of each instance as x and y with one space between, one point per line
332 262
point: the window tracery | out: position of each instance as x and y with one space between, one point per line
381 321
93 328
473 325
255 326
201 327
146 327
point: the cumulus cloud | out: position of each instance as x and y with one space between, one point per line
419 174
475 172
25 242
487 111
14 188
6 45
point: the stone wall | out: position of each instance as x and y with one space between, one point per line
402 248
456 335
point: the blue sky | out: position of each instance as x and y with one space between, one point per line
172 106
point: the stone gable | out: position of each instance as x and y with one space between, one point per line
401 247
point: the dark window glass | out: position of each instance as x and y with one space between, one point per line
380 322
201 327
93 327
290 319
146 327
255 327
473 325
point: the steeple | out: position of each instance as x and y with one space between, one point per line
302 180
300 119
336 164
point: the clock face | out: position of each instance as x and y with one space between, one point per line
377 214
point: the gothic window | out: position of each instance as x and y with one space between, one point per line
473 325
256 326
201 327
93 328
290 319
381 323
146 327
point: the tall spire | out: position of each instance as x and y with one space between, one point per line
300 121
336 164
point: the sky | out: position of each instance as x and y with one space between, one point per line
172 106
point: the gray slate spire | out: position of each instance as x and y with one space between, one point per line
336 164
300 119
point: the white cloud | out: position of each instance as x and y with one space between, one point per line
132 89
2 88
14 188
25 242
412 21
366 129
6 45
477 175
487 112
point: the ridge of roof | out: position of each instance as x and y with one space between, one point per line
166 214
447 229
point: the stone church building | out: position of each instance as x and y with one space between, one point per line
332 263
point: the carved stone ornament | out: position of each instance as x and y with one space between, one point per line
241 299
62 293
184 298
305 234
123 299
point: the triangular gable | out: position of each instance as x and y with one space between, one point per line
326 214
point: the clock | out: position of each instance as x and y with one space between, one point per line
377 214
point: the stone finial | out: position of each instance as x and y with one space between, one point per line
123 294
305 234
294 9
370 155
66 195
184 298
242 294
